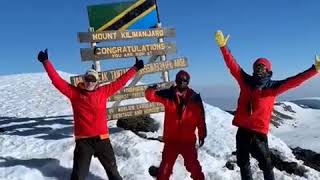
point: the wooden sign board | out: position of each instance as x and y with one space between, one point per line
107 76
136 91
85 37
134 110
91 54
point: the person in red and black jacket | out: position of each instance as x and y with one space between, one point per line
255 106
184 113
89 104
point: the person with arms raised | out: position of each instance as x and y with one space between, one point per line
255 105
89 104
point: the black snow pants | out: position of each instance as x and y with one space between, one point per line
83 152
256 144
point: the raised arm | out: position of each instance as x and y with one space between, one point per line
63 86
230 61
152 95
116 85
294 81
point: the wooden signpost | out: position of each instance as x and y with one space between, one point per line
99 53
111 22
107 76
136 91
86 37
134 110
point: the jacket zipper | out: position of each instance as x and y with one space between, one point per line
185 108
182 113
251 102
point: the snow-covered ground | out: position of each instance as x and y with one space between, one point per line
37 141
303 128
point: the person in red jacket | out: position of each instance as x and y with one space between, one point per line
255 106
89 104
184 113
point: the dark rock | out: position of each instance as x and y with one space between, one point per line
310 158
153 171
138 123
159 138
231 112
230 165
278 162
289 167
234 153
278 118
285 107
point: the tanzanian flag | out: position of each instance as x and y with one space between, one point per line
140 14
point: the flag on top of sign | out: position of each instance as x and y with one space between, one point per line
139 14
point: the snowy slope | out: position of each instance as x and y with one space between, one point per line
302 128
37 141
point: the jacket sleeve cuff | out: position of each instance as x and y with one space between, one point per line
135 68
45 61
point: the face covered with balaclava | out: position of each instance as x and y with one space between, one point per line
261 72
182 80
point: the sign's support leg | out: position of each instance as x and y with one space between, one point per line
165 74
96 64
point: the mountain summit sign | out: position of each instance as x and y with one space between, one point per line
123 21
99 53
125 35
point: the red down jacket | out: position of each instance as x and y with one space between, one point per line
180 127
89 107
255 106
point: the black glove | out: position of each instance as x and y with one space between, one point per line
201 142
154 86
43 56
139 64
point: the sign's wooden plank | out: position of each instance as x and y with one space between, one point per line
111 52
136 91
134 110
136 79
107 76
85 37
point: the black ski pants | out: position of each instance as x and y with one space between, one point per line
100 148
256 144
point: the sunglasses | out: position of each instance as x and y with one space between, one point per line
259 66
90 79
183 80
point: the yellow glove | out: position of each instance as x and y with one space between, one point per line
317 63
221 40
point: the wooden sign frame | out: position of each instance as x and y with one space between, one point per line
112 52
136 91
86 37
134 110
111 75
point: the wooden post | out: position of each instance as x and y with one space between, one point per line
96 64
165 74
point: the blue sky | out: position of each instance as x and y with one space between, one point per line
285 31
